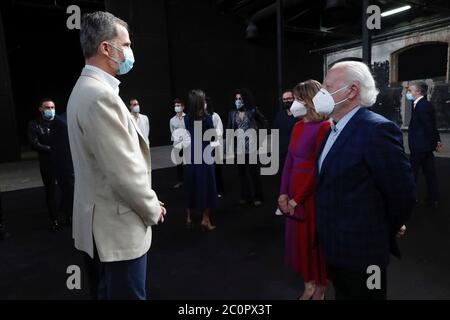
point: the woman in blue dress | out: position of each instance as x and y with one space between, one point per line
200 181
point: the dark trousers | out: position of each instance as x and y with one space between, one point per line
250 180
352 285
1 210
426 162
49 180
66 184
180 169
219 179
179 173
122 280
3 233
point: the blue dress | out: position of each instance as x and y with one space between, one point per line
200 180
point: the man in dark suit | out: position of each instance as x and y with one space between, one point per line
364 185
424 139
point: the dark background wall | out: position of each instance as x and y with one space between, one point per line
9 144
184 45
179 45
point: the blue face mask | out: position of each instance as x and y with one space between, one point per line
409 96
49 114
126 65
178 109
239 104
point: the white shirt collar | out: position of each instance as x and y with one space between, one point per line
112 81
182 116
417 100
343 122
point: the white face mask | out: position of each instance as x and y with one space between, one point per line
136 109
324 102
178 109
298 109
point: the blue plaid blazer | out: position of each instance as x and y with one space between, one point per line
365 193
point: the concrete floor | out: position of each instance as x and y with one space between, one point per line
241 260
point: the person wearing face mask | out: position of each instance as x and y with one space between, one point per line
284 123
297 192
245 116
424 139
365 189
141 120
179 136
39 136
199 177
115 205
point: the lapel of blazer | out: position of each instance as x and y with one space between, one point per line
316 169
341 140
99 77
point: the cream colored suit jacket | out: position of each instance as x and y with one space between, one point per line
114 203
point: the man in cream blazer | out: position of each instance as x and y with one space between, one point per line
114 205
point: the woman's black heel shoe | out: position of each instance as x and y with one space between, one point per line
208 227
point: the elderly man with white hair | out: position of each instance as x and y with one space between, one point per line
365 187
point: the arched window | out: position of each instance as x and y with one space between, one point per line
427 60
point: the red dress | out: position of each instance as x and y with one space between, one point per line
298 183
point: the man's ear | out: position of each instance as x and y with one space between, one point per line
103 48
41 109
354 91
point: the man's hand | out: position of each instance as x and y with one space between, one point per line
402 232
163 213
440 147
283 202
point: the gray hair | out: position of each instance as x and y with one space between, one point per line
420 86
359 73
98 27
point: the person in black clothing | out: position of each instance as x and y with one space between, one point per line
39 135
424 139
284 122
246 116
61 159
3 233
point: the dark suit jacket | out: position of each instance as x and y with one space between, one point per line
60 154
423 133
365 193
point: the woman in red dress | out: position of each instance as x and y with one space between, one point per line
297 197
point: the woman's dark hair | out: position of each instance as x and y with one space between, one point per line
176 101
209 106
196 103
44 100
247 96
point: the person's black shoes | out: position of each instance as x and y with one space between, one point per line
433 204
55 226
257 203
178 185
